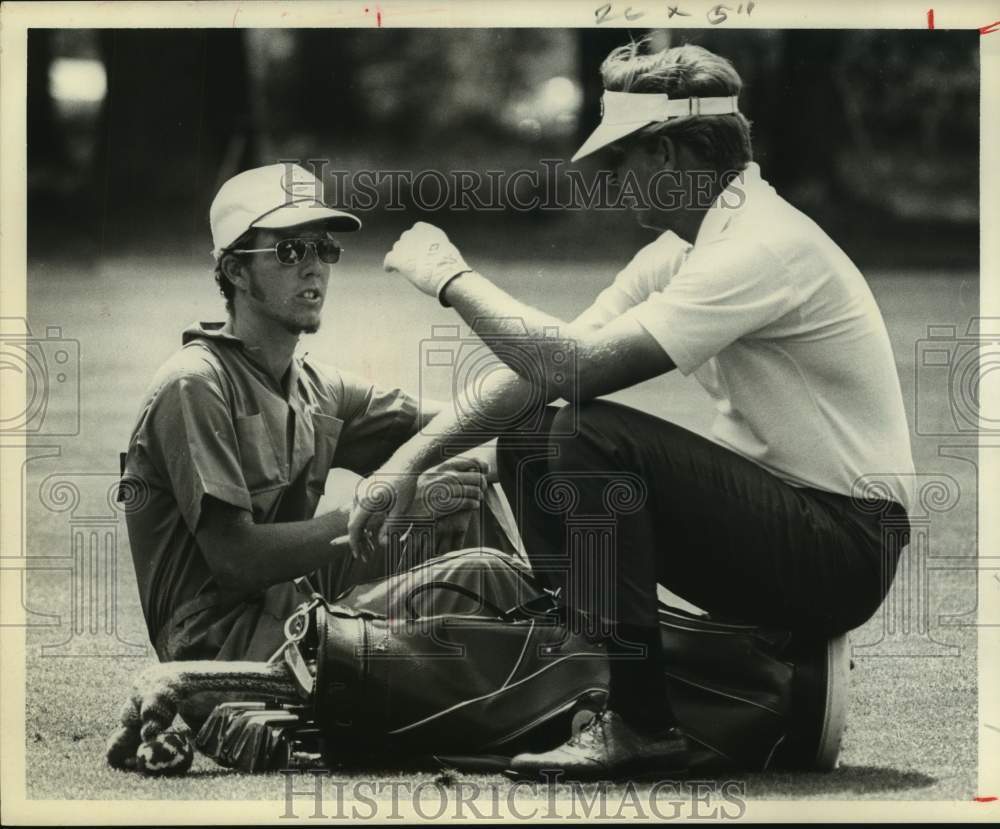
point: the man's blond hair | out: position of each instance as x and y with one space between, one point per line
722 141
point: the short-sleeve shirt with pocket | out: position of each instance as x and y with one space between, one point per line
214 423
781 329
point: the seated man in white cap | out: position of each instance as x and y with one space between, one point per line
760 522
237 433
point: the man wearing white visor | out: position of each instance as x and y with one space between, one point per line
237 433
756 522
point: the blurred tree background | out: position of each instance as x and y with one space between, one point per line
130 132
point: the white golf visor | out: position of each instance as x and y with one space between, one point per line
623 113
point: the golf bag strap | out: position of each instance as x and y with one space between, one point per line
498 505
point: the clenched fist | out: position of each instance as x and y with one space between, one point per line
425 256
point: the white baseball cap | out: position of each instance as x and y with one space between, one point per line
279 195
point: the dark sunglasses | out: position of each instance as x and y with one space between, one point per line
293 251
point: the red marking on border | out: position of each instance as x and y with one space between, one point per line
378 17
984 799
930 18
991 28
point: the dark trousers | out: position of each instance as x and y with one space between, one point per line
611 501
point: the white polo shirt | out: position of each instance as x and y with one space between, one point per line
782 331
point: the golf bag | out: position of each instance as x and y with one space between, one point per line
465 658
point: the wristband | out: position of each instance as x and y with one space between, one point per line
448 282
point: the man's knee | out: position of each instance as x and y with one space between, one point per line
516 445
585 434
578 418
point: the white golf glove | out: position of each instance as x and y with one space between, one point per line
425 256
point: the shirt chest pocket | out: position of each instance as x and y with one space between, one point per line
262 469
326 435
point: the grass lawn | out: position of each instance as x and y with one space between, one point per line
912 722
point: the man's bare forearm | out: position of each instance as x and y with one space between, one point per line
245 556
569 360
491 311
501 400
503 397
531 342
